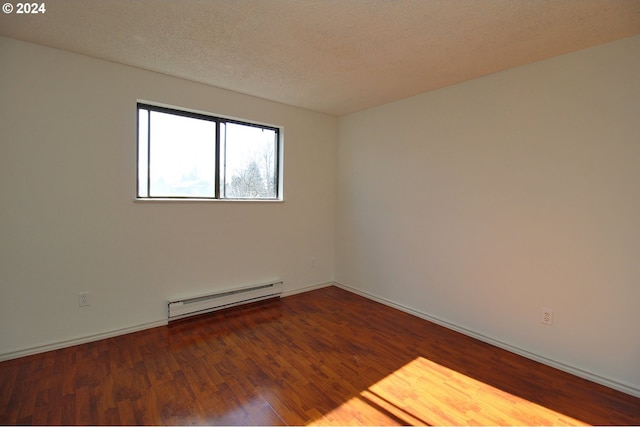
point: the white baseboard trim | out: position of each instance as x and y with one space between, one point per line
614 384
80 340
307 289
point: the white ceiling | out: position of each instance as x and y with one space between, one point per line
332 56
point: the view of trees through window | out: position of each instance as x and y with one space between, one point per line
181 155
250 161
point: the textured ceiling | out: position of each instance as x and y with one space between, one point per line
332 56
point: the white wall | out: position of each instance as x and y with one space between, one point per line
68 222
481 203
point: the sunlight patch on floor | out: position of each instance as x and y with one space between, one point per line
425 393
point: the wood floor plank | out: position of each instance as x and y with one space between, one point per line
326 357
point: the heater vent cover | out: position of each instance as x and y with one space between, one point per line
179 309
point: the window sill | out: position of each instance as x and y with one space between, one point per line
188 200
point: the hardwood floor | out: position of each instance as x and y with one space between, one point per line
322 357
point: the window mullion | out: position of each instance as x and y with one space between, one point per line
148 153
217 193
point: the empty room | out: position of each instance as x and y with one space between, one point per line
320 212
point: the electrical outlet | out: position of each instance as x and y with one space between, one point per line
314 263
547 316
83 299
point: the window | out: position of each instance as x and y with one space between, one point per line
185 155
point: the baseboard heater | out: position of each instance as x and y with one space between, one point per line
206 303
